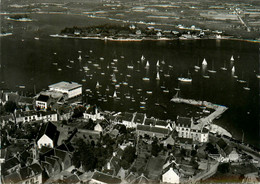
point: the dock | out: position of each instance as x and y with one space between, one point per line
219 109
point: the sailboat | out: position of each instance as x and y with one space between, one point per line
232 58
158 63
241 80
247 87
147 64
97 85
233 69
224 67
113 77
204 62
197 66
142 58
79 58
115 96
183 79
212 70
158 76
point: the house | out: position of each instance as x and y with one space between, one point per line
227 152
169 141
171 174
25 175
73 179
151 131
113 165
30 116
11 165
24 101
5 119
127 119
185 143
98 128
164 124
9 96
187 128
139 119
93 113
71 89
48 135
141 180
102 178
65 158
55 166
42 102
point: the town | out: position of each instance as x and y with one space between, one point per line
53 137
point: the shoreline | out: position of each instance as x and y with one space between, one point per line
148 39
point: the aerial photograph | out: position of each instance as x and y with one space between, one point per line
129 91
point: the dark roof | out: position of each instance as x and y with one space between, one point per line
173 166
115 163
45 149
43 98
127 116
161 123
60 154
149 121
50 160
24 155
184 121
36 168
184 140
12 178
26 173
139 118
10 163
222 144
72 179
50 130
148 128
25 100
99 176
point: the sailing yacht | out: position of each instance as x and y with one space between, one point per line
114 95
212 70
97 85
79 58
247 87
113 77
204 62
158 76
142 58
197 67
147 64
233 69
183 79
158 63
224 67
232 58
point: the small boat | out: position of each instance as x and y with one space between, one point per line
212 70
166 91
183 79
122 57
149 92
143 103
68 66
125 83
158 76
130 66
86 56
107 89
146 79
142 107
167 75
128 75
206 76
224 67
170 66
115 60
59 69
232 58
139 89
79 51
101 58
55 63
246 88
22 86
258 76
163 62
142 58
204 62
85 68
36 38
97 85
89 62
71 61
114 78
83 80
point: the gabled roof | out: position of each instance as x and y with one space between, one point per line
26 100
127 116
43 98
10 163
141 180
131 177
152 129
50 130
99 176
24 155
50 160
72 179
169 141
60 154
184 121
114 161
13 178
221 143
161 123
26 173
139 118
36 168
149 121
173 167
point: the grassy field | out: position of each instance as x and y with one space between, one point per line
154 167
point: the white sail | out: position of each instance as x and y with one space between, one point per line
158 63
142 58
114 77
232 58
79 57
115 96
97 85
233 69
158 76
204 62
147 64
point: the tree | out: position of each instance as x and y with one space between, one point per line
193 153
122 129
10 106
155 149
224 168
128 157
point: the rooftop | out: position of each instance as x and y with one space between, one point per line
184 121
65 85
105 178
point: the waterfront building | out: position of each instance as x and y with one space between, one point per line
151 131
42 102
72 89
93 113
30 116
187 128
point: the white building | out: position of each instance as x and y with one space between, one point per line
93 113
48 136
98 128
187 128
72 89
30 116
171 175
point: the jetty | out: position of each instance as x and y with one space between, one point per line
219 109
